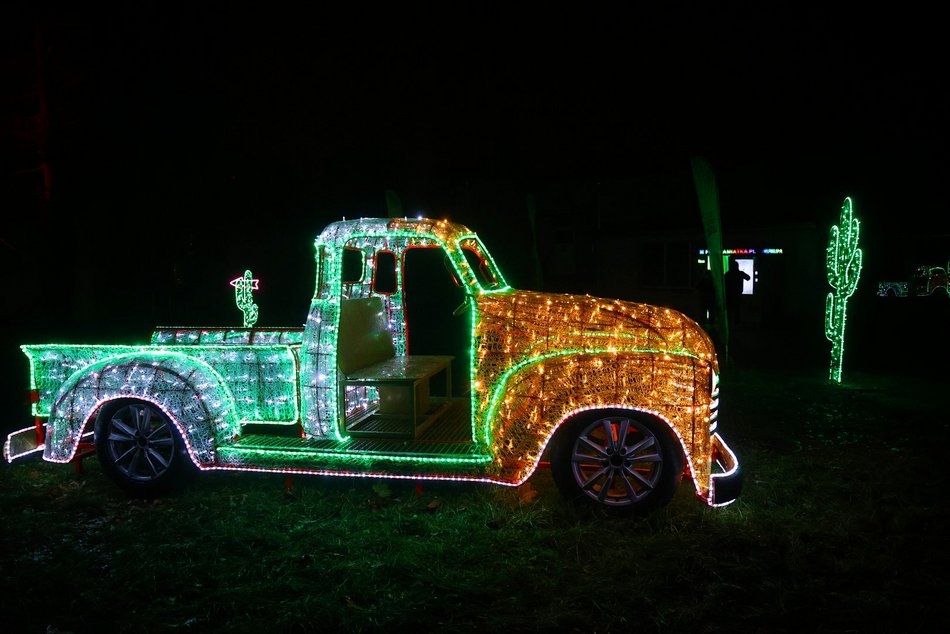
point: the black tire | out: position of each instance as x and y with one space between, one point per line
140 448
634 470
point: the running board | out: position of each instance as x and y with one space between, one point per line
357 454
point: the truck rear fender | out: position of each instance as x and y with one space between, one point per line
193 395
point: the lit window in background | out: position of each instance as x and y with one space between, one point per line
746 265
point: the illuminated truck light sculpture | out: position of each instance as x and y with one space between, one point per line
925 281
621 398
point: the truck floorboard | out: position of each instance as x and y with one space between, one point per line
451 435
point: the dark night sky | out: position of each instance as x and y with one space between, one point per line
214 134
297 110
189 141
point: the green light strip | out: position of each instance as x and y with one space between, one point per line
334 456
545 341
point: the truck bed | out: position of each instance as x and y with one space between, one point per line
259 366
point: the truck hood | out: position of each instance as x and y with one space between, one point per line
527 324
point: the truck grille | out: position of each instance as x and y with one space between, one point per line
713 403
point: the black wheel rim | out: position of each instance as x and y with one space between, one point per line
141 442
617 461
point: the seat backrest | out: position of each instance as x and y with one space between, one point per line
364 336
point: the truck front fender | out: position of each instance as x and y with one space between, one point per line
193 395
532 403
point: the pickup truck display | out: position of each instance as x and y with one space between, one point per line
924 281
620 398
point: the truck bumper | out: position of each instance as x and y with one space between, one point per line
22 444
724 486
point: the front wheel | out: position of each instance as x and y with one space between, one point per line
618 460
140 448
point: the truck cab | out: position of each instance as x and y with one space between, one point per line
929 280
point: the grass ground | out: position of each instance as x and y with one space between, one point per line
841 527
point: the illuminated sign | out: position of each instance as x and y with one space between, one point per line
745 251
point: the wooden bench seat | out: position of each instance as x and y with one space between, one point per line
403 387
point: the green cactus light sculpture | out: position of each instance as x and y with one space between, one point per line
843 259
243 288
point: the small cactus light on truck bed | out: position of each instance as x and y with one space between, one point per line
244 286
621 398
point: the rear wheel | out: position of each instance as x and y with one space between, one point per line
140 448
618 460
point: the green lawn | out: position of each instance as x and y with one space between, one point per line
841 527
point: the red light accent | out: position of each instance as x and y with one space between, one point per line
238 280
34 396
